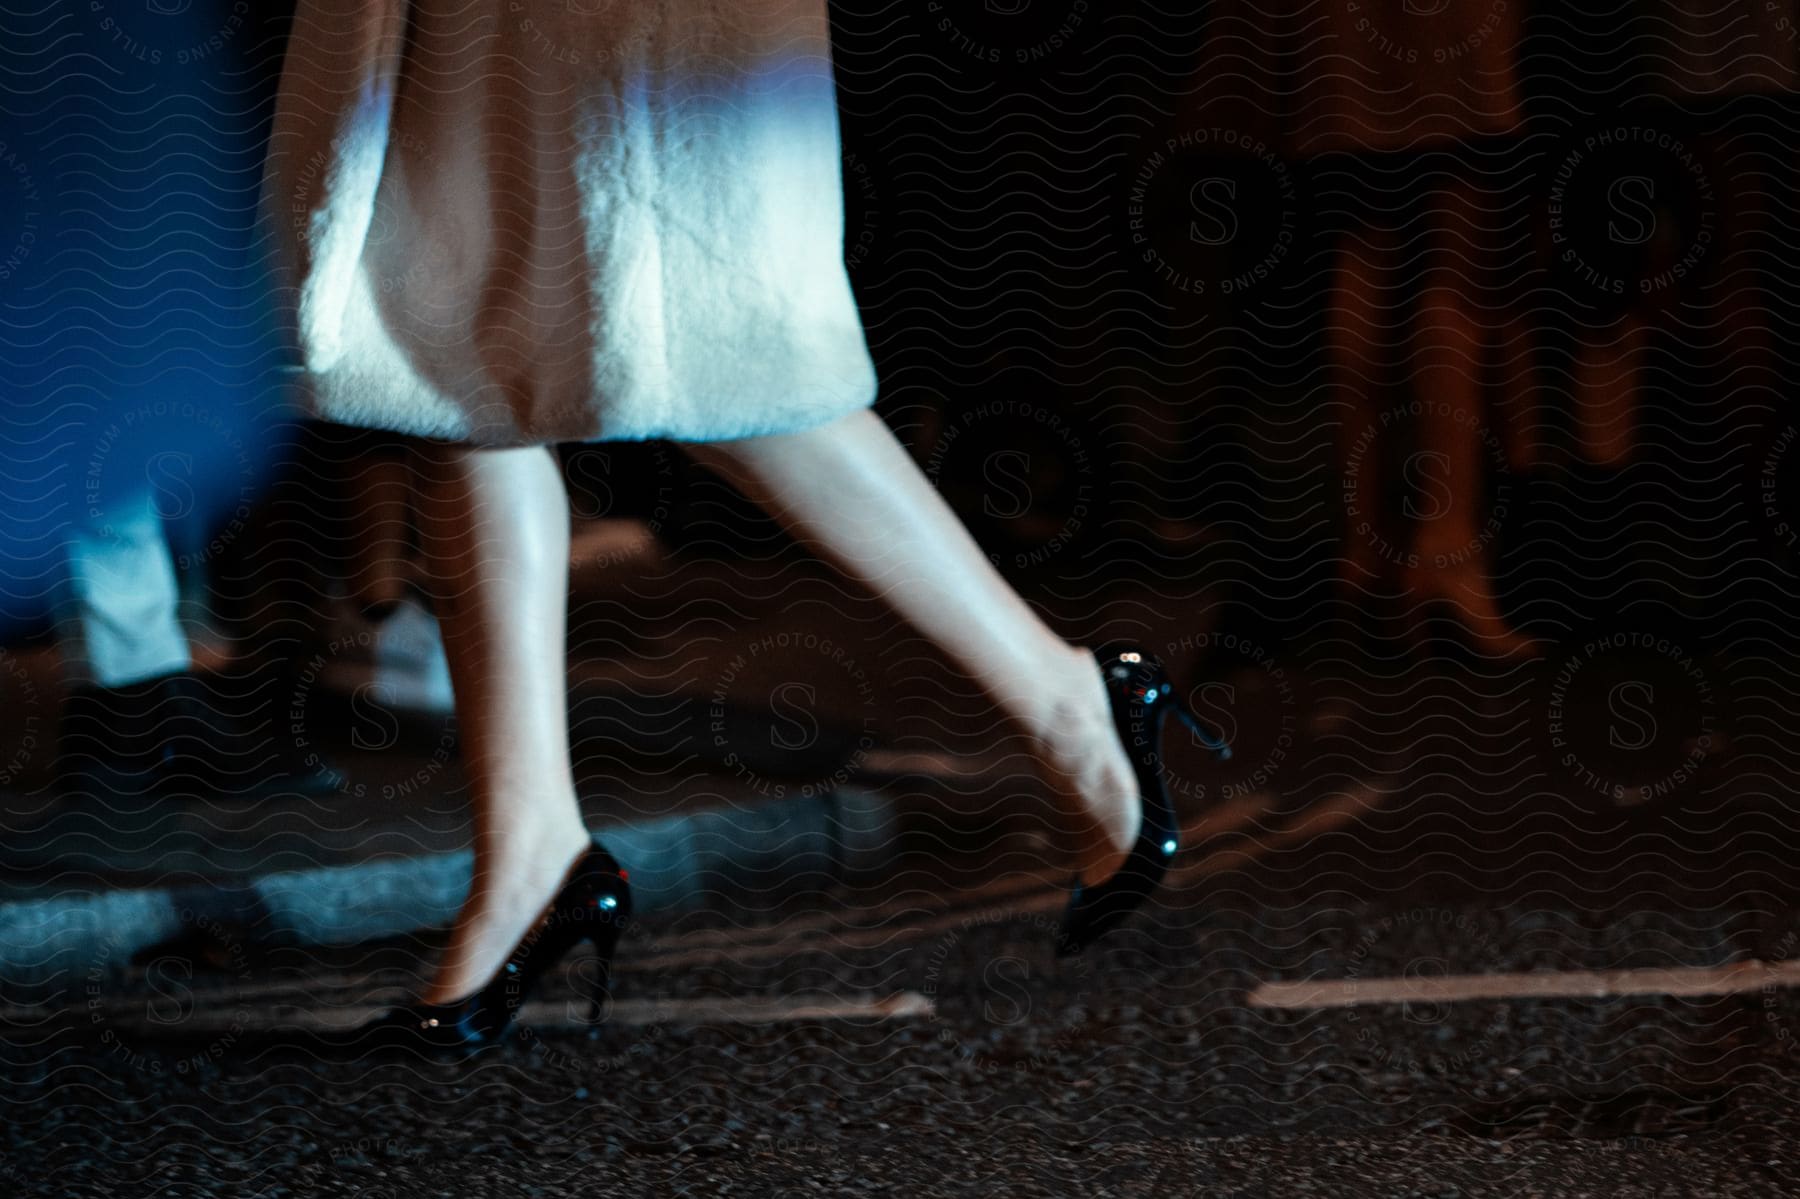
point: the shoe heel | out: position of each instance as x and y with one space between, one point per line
1139 691
1215 744
593 905
592 1005
600 911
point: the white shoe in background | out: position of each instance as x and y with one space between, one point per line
400 657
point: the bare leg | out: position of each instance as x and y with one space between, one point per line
1516 407
382 491
1452 533
1450 462
496 526
1606 388
849 490
1358 341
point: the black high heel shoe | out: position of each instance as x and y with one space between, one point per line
1142 697
594 905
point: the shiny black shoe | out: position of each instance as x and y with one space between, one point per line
594 905
1142 697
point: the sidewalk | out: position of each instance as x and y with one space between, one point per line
742 731
56 931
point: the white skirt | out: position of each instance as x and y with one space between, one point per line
509 222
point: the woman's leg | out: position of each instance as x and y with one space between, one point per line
380 486
849 490
496 527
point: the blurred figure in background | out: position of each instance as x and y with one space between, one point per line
1691 176
1435 362
141 365
1420 104
1403 118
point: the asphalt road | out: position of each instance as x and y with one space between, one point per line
1418 956
906 1045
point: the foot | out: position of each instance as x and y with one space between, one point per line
1465 590
517 882
1085 767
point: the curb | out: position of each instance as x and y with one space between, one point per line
676 864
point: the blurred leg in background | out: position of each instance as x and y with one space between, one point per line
1360 351
138 717
120 624
1459 445
125 655
379 637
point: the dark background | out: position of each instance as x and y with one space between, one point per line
989 241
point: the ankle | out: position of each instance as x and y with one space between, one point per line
520 867
1060 700
529 846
